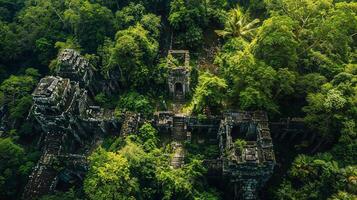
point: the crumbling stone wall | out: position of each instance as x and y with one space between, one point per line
60 104
64 112
130 124
249 169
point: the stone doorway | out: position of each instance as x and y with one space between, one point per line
179 89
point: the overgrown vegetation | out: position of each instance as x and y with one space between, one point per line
291 58
138 169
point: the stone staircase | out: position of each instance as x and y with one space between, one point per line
179 132
43 177
178 158
179 136
179 98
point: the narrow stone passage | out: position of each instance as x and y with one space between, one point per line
178 136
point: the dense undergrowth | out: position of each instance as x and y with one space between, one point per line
292 58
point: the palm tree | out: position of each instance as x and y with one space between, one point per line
302 168
238 25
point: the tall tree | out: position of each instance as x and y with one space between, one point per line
209 93
275 43
131 57
14 169
90 23
331 112
109 177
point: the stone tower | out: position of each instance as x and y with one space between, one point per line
179 75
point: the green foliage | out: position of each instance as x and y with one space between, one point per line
310 83
192 38
238 25
189 18
186 13
149 170
9 8
8 46
105 101
70 195
148 137
40 26
151 23
239 144
14 169
331 112
134 102
276 44
109 177
319 178
251 81
16 86
15 93
90 23
177 184
129 15
304 51
209 93
343 196
70 43
321 30
136 13
131 56
206 151
21 107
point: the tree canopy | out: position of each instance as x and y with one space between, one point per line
294 59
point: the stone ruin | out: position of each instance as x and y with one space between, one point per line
247 171
250 167
61 104
76 68
64 110
179 74
73 66
130 124
70 64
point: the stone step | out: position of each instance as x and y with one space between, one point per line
178 158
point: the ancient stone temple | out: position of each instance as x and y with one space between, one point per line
248 167
68 119
179 74
55 100
70 124
63 110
